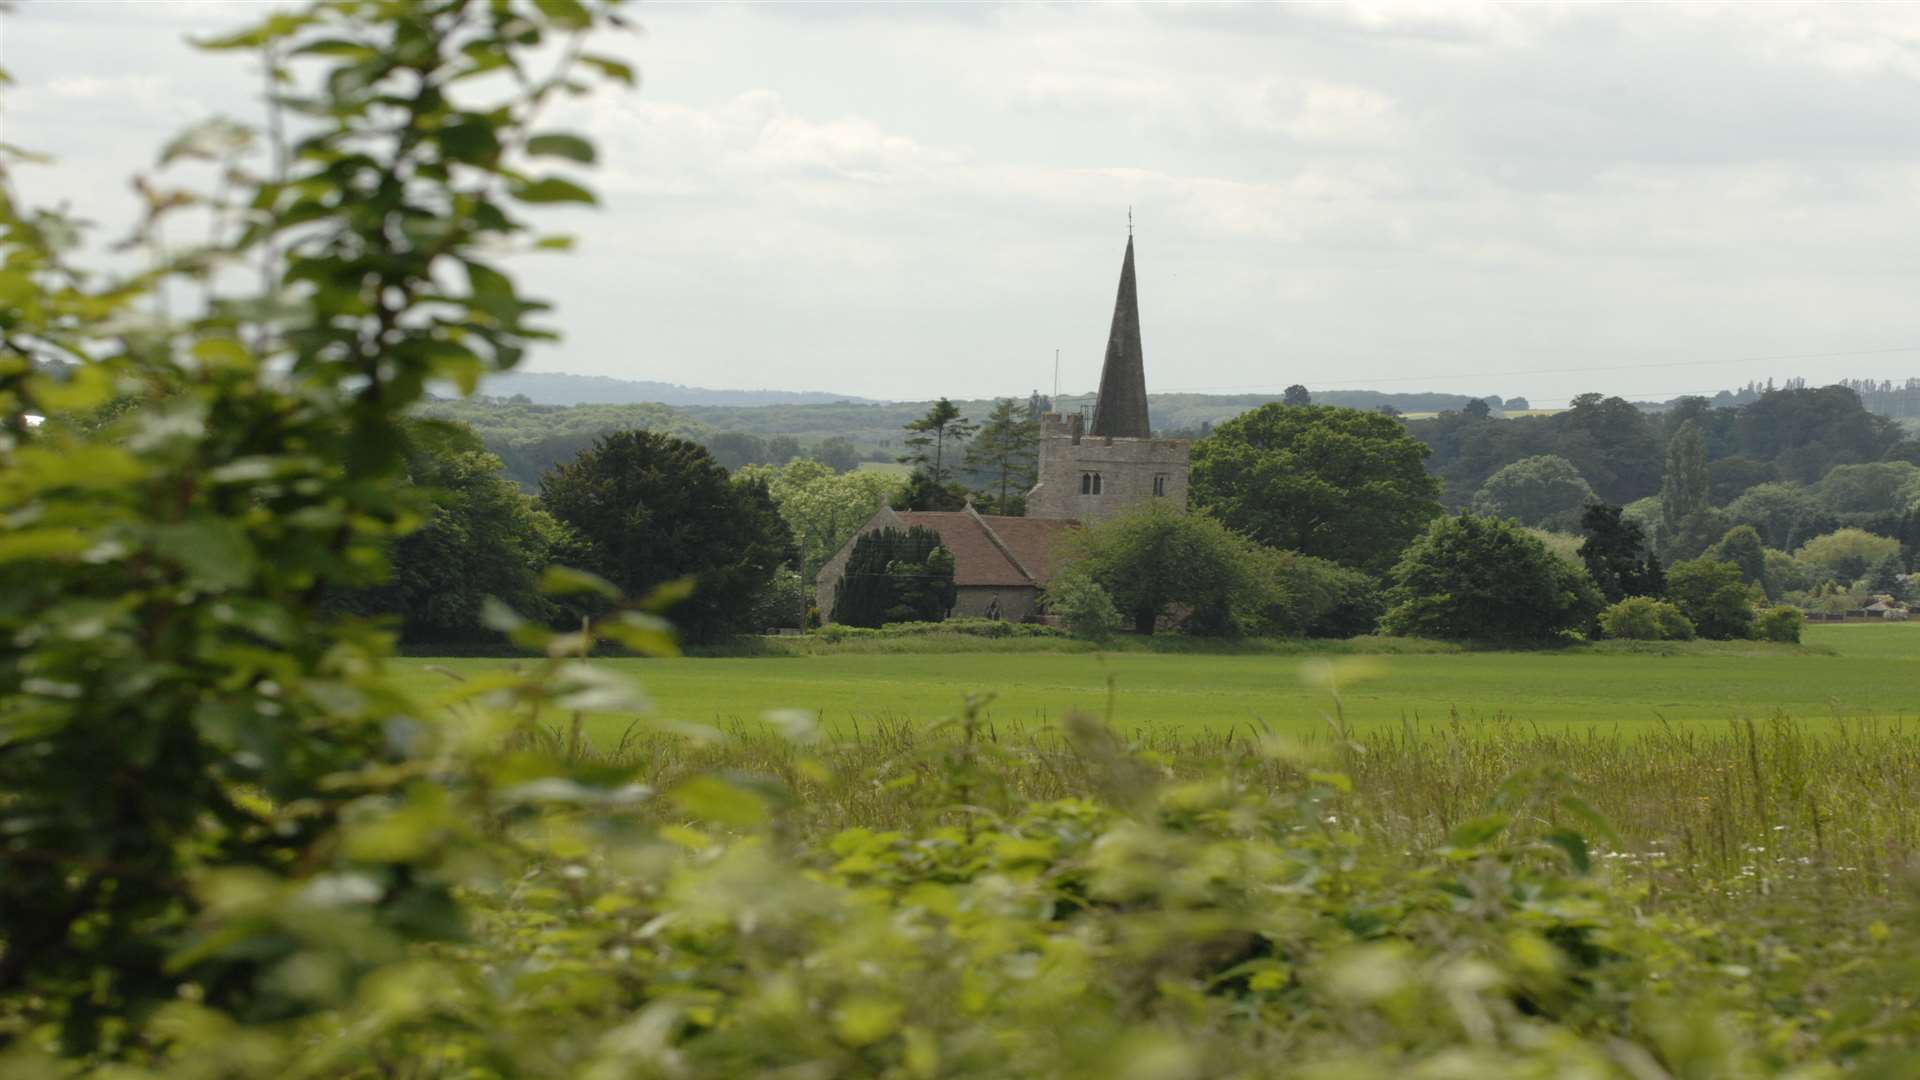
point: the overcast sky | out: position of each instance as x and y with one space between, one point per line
905 202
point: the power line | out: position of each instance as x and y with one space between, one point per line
1492 375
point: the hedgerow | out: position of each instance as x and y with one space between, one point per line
232 846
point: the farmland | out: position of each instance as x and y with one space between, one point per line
1842 672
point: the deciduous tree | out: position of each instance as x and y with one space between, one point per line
1617 555
1485 579
1156 562
649 509
1546 491
1336 483
1710 594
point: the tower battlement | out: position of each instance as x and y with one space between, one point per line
1093 472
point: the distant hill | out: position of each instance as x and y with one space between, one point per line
562 389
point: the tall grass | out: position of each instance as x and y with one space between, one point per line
1705 816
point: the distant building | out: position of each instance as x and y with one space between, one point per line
1002 564
1117 464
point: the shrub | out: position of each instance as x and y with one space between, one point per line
1305 596
1781 624
1486 579
1848 552
1083 606
895 575
1157 562
1642 618
1710 593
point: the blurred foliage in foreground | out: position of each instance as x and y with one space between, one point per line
231 846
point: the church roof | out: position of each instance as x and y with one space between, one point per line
989 550
1121 410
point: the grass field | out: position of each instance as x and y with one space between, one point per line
1848 672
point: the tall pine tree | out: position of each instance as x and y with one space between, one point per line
942 425
1006 454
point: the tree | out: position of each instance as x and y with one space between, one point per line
1302 596
1516 404
837 453
193 749
823 509
1687 487
1156 561
941 425
782 449
1477 410
1741 546
1710 594
1870 488
922 492
1296 395
1908 534
1617 555
1848 552
1888 577
1006 453
1083 606
1729 478
1485 579
1546 491
1642 618
895 575
737 449
1336 483
649 509
482 538
1785 515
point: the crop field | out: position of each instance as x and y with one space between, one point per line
1853 672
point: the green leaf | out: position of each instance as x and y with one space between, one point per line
565 581
1479 832
1575 846
38 544
561 145
863 1021
552 189
709 798
571 14
613 69
223 354
215 552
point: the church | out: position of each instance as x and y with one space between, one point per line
1087 473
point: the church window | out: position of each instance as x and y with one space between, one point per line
1160 484
1089 483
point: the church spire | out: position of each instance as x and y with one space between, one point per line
1121 411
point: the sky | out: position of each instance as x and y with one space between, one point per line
906 202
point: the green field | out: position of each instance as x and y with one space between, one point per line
1849 671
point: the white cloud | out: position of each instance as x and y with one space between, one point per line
897 202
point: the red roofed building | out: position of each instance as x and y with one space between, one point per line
1000 564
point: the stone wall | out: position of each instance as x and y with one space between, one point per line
1016 601
1127 469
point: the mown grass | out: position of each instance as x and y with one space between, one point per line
1844 672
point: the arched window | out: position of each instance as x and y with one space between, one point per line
1160 484
1089 483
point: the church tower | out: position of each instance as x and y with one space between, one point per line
1092 475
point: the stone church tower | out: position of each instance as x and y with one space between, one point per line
1092 475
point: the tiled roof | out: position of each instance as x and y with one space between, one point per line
981 545
1033 541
